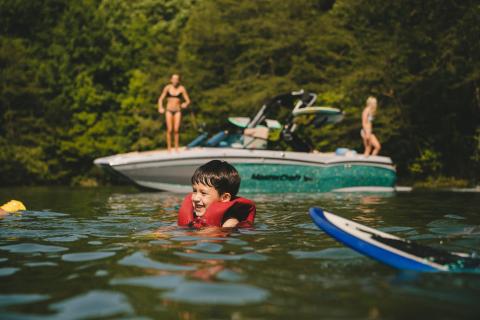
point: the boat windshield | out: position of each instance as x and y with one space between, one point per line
224 139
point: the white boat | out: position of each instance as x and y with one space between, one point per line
261 168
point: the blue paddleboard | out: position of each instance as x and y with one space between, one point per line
389 249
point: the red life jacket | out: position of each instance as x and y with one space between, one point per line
242 209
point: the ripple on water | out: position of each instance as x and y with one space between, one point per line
469 244
138 259
453 230
155 282
95 303
207 247
19 233
198 238
229 275
101 273
237 242
41 264
425 236
45 214
5 272
253 256
449 227
86 256
394 229
69 238
32 248
329 253
454 216
307 226
216 293
13 299
160 242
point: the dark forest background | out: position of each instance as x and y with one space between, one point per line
80 79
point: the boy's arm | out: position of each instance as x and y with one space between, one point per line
240 215
230 223
161 109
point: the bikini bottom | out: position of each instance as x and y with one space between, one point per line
173 112
362 133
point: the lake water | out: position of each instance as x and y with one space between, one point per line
90 253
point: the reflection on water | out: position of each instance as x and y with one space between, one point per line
116 253
95 303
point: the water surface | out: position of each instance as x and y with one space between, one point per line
93 253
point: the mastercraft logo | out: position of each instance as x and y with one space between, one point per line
280 177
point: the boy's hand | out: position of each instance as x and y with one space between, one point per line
230 223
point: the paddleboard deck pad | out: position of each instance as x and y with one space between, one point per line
389 249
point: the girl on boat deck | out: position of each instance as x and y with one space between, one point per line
370 141
174 92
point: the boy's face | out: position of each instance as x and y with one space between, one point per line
203 196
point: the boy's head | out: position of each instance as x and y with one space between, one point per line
212 182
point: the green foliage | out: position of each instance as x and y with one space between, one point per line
427 164
80 79
441 182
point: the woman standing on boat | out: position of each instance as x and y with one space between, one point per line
174 92
369 139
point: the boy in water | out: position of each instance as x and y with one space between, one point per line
214 201
11 207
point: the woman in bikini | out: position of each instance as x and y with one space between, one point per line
369 139
174 92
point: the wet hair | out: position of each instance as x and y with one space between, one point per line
218 174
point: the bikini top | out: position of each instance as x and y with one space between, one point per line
370 116
177 96
215 215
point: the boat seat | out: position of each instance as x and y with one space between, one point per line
258 132
255 138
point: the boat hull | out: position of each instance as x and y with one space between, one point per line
261 170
